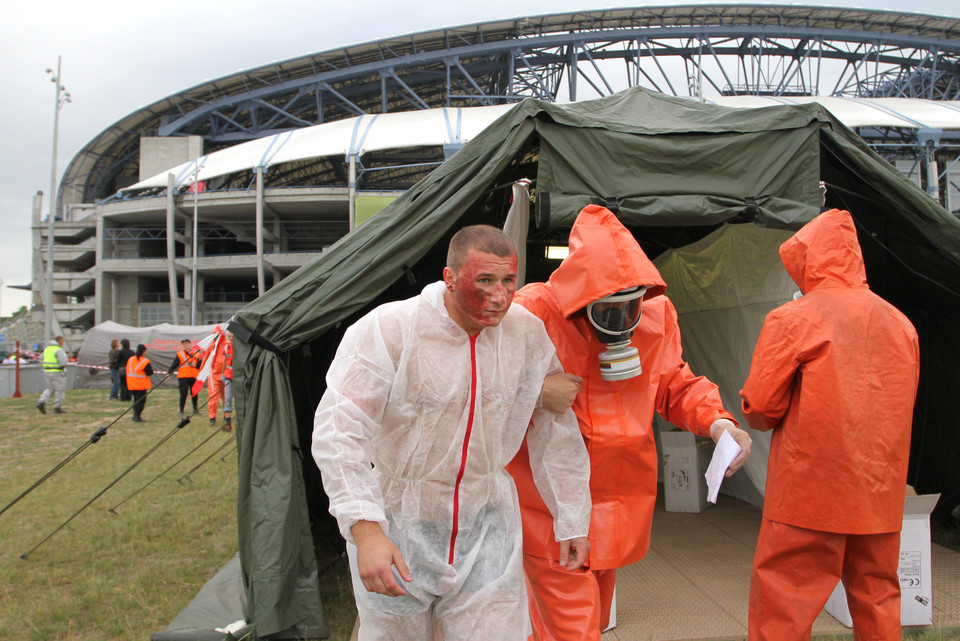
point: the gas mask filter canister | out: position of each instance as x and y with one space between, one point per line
614 318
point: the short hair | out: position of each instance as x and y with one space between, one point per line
125 343
114 343
185 340
482 238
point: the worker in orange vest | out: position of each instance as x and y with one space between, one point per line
139 372
187 366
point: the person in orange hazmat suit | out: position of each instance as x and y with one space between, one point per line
427 400
834 375
215 391
605 288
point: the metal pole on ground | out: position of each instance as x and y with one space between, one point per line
16 356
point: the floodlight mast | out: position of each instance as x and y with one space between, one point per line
62 97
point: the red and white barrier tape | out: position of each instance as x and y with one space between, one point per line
156 371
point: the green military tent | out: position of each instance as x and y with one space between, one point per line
708 191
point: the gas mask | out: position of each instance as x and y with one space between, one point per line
614 318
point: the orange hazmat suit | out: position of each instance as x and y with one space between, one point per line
615 419
215 392
834 375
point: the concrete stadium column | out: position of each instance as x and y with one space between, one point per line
113 299
261 285
276 274
201 292
929 139
36 280
189 291
98 291
352 192
933 176
171 250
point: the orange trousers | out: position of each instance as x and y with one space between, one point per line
795 570
214 394
567 606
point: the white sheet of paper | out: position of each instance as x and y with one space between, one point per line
726 450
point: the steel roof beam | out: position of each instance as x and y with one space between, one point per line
529 44
778 49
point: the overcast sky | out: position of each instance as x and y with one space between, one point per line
118 56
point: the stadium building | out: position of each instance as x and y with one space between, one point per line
191 207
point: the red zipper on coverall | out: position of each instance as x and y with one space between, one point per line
466 443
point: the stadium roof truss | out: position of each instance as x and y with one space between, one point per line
699 51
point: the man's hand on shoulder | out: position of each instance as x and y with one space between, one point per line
376 556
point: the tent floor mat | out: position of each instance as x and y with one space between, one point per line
694 583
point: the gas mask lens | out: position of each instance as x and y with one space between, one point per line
618 313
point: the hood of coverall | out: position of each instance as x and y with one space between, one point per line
825 253
604 258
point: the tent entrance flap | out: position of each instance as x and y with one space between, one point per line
218 604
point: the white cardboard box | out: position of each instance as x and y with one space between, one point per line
916 588
685 461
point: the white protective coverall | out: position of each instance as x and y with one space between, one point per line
438 414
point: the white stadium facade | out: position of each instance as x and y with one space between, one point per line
191 207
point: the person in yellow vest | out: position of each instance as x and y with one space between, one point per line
227 381
55 373
139 372
187 366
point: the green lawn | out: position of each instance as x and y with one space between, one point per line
105 576
119 577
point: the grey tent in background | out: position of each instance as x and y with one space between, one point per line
162 342
677 171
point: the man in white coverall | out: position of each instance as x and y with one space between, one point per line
427 400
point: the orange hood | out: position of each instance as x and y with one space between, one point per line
825 253
604 258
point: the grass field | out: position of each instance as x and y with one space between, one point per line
118 577
123 576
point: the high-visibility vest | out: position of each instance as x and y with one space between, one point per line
188 365
137 378
50 362
228 361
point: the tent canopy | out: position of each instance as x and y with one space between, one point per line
708 191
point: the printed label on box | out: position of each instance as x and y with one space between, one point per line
680 480
910 575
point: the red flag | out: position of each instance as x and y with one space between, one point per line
211 343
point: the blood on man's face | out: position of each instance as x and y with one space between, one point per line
482 291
